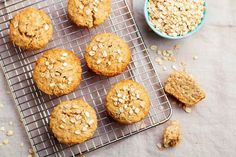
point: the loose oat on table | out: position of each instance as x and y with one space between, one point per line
172 135
9 133
184 88
107 54
176 17
89 13
73 121
127 102
187 109
57 72
31 29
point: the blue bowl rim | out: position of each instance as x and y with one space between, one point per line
147 18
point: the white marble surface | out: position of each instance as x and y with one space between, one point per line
211 127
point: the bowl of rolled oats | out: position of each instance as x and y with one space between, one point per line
175 19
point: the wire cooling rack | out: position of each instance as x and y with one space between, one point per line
35 107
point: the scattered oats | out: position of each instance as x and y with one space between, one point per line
5 141
63 120
121 100
118 51
195 57
21 144
159 146
104 53
182 64
142 125
91 53
31 151
99 61
164 68
46 27
88 11
136 110
52 84
87 114
84 129
100 45
64 64
153 47
142 104
90 121
67 106
95 9
30 155
187 109
119 59
9 133
72 120
2 128
47 63
65 54
1 105
121 110
95 47
174 67
177 46
159 61
77 132
159 52
61 126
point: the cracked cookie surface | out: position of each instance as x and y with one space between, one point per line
127 102
57 72
183 87
73 121
31 29
89 13
107 54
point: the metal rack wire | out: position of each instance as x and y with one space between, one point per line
35 107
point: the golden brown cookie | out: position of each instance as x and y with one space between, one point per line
127 102
183 87
107 54
172 135
57 72
31 29
73 121
89 13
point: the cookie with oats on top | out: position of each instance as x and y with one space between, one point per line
31 29
73 121
88 13
57 72
127 102
107 54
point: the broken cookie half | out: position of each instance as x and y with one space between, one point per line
184 88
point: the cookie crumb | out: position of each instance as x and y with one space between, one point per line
2 128
172 135
153 47
21 144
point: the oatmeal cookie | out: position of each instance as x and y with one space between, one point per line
127 102
183 87
89 13
57 72
31 29
73 121
107 54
